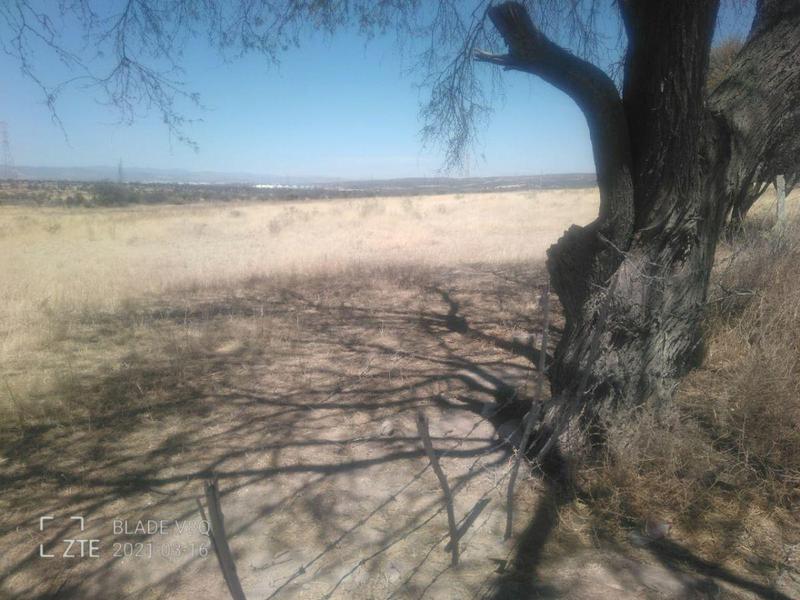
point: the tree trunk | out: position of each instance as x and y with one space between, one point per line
670 163
652 333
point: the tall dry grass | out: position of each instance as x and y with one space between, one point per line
86 259
66 273
723 465
751 398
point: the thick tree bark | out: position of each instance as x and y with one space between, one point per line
670 163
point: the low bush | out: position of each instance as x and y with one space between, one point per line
106 193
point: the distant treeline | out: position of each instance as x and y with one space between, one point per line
106 193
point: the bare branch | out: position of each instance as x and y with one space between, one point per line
532 52
503 60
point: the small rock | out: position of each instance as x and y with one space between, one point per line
387 428
524 339
654 529
637 539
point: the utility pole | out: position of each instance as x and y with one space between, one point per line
120 174
8 171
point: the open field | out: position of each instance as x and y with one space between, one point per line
145 347
68 261
285 348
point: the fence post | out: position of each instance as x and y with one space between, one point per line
526 435
220 540
424 434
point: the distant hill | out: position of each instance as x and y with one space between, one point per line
413 185
75 187
145 175
455 185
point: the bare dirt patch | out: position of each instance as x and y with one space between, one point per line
283 390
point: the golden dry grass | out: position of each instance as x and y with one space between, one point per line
60 266
145 347
80 258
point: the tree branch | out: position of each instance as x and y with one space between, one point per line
593 91
503 60
531 51
758 100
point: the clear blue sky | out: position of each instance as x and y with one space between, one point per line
333 107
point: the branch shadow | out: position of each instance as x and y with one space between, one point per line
281 393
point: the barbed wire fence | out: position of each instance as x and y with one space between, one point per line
565 409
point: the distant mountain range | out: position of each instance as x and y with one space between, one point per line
445 185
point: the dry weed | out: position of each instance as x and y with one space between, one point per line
723 463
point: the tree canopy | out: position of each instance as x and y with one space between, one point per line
128 53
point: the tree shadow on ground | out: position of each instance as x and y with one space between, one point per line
282 392
519 577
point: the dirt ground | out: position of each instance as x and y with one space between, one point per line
307 418
299 394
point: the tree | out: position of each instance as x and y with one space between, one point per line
672 158
671 161
722 58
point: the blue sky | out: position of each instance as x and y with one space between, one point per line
333 107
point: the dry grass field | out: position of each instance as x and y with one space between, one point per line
63 262
285 349
65 269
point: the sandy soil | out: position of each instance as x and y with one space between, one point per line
307 419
